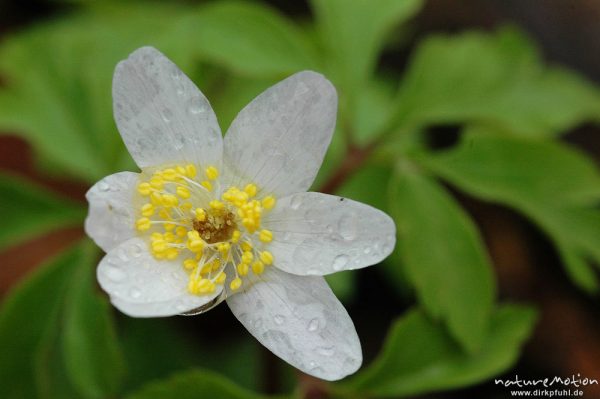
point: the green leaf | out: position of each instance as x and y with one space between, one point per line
497 79
55 308
353 33
28 211
59 77
443 255
419 357
92 356
343 284
250 39
553 184
197 384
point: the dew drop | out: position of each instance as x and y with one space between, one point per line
115 274
279 319
348 227
313 325
135 293
296 202
326 350
340 262
367 250
286 236
258 323
167 115
135 250
195 106
103 186
121 254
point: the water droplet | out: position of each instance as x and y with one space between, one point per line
195 106
286 236
180 306
258 323
348 226
135 293
121 254
103 186
115 274
326 350
313 325
279 319
367 250
167 115
135 250
329 228
340 262
295 202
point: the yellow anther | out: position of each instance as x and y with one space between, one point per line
207 185
235 236
169 236
206 268
266 257
242 269
147 209
186 206
183 192
200 214
156 236
169 226
172 253
180 170
190 264
144 188
258 267
246 246
157 182
223 247
265 236
156 198
205 286
159 245
235 284
193 286
195 245
247 257
251 190
164 213
169 174
142 224
216 265
193 235
169 200
212 173
216 204
190 170
181 231
220 279
268 202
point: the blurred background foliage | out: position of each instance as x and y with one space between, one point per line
451 133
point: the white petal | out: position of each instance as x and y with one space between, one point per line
162 116
301 321
278 140
142 286
110 219
319 234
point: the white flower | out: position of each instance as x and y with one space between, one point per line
211 219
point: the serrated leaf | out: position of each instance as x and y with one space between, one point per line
551 183
353 33
443 256
497 79
250 39
30 211
197 384
51 311
420 357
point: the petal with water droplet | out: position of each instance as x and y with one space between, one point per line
278 141
141 286
319 234
162 116
300 320
110 219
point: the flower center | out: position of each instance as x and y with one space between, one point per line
216 233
